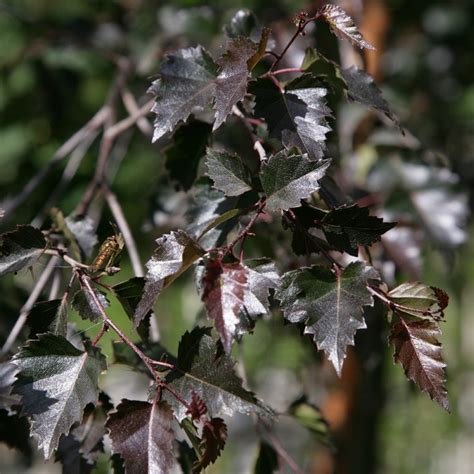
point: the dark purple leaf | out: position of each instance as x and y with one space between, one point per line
214 435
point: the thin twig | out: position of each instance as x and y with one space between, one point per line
26 308
133 108
287 70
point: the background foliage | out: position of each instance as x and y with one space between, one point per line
55 73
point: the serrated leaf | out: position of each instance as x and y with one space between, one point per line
56 381
329 303
84 231
186 83
362 88
288 179
184 155
20 248
48 316
224 287
228 172
174 254
419 300
418 350
295 116
342 25
87 308
347 227
141 433
204 368
8 372
231 83
213 438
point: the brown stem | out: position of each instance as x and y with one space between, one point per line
286 71
102 331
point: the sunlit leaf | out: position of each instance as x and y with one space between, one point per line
141 433
20 248
84 231
286 179
329 303
418 350
56 382
342 25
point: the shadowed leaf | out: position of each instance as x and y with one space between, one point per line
330 303
141 433
56 381
267 461
87 308
417 349
8 373
214 435
48 316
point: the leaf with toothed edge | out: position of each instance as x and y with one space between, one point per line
342 25
329 303
186 83
224 286
141 433
286 179
56 382
204 368
418 350
86 306
214 435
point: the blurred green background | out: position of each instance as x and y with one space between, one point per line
56 67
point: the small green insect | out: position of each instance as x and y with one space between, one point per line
108 254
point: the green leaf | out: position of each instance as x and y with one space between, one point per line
186 83
342 25
362 88
186 151
20 248
141 433
288 179
87 308
174 254
231 83
220 220
295 116
48 316
419 300
228 172
56 382
346 227
418 350
205 369
329 303
61 225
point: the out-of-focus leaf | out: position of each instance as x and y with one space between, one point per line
296 116
241 24
8 372
174 254
15 433
418 350
48 316
20 248
187 457
70 458
419 300
330 303
286 179
231 83
204 368
214 435
141 433
56 382
361 88
186 83
346 227
61 225
184 155
267 461
228 172
84 232
220 220
224 287
342 25
87 308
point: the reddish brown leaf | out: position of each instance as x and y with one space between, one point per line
197 407
418 350
214 435
225 285
141 433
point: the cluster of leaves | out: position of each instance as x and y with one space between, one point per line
53 379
